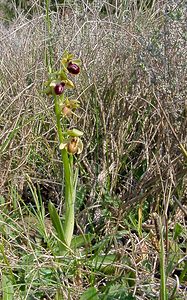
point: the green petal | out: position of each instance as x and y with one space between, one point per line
64 143
69 83
62 146
76 61
53 83
80 146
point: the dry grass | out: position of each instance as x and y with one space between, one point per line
132 91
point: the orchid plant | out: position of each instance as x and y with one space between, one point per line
69 143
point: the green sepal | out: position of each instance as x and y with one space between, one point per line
74 132
63 75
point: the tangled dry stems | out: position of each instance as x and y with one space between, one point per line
132 83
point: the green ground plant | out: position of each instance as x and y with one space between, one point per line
70 143
117 228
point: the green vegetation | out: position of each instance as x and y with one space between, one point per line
130 231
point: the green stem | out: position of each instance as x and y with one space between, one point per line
70 187
163 289
68 176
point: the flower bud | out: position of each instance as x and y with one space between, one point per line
66 111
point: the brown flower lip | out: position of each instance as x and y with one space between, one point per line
73 68
59 88
72 146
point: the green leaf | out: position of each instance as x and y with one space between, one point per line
7 287
177 231
90 294
81 240
120 296
172 262
119 292
105 263
57 224
59 296
183 275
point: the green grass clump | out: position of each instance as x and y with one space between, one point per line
130 232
